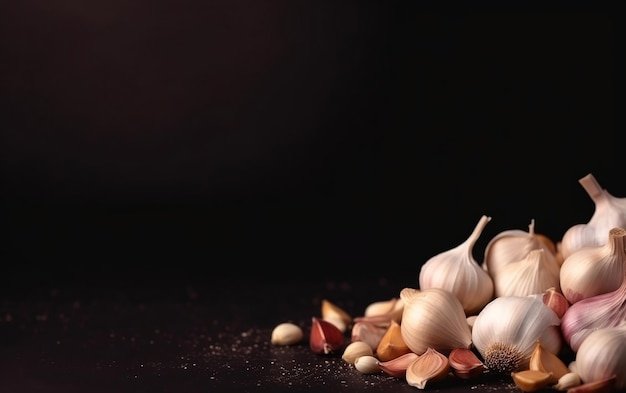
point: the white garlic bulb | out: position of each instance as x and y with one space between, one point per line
594 270
534 274
610 212
457 271
603 354
513 245
434 318
506 330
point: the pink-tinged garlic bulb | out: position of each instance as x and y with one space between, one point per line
594 270
610 212
514 245
457 271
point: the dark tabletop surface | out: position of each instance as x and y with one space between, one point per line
203 335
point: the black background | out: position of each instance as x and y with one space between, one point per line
154 142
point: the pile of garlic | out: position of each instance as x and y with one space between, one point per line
512 313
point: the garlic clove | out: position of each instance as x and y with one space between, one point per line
430 367
434 318
556 301
531 380
392 344
397 367
606 385
367 364
456 271
325 338
567 381
336 315
368 332
465 364
355 350
286 333
383 312
547 362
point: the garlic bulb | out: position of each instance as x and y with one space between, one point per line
457 271
506 330
511 246
603 354
593 270
533 274
587 315
610 212
434 318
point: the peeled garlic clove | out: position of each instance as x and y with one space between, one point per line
286 333
397 367
532 274
336 315
511 246
567 381
355 350
432 366
547 362
506 330
465 364
367 365
606 385
456 271
610 212
368 332
391 345
531 380
434 318
325 338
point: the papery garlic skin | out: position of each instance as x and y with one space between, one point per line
506 330
594 270
610 212
511 246
457 271
603 354
434 318
533 274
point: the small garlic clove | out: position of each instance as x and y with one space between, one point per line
336 315
325 338
556 301
531 380
430 367
465 364
397 367
392 344
355 350
368 332
605 385
547 362
367 365
383 312
286 333
567 381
